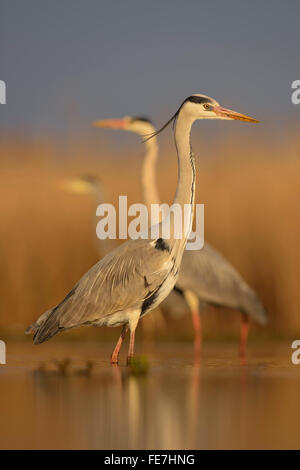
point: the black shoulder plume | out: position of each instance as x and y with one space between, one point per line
173 119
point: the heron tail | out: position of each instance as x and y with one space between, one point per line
48 328
48 324
35 325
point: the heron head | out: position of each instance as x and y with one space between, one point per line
204 107
85 184
138 124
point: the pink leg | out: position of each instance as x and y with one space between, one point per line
244 335
131 346
197 331
115 355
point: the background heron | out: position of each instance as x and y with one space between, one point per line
93 186
205 275
137 276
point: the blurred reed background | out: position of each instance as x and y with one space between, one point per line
251 194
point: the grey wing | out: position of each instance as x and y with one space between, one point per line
122 280
207 273
35 325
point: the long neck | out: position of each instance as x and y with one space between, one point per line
185 192
149 187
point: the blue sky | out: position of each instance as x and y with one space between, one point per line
67 62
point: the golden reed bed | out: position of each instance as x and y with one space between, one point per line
251 192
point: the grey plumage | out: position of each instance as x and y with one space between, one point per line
104 294
215 281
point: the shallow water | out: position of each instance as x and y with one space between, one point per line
217 402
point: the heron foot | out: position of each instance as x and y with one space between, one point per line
130 359
114 360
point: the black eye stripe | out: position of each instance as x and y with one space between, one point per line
90 179
199 99
141 118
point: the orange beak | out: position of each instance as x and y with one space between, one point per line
110 123
229 114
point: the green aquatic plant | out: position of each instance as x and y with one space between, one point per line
139 366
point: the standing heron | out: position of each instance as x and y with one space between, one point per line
137 276
205 276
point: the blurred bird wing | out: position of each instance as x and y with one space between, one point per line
206 270
216 281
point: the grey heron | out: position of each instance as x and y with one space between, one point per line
137 276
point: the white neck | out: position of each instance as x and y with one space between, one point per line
149 188
185 192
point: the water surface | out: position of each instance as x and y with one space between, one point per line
218 402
